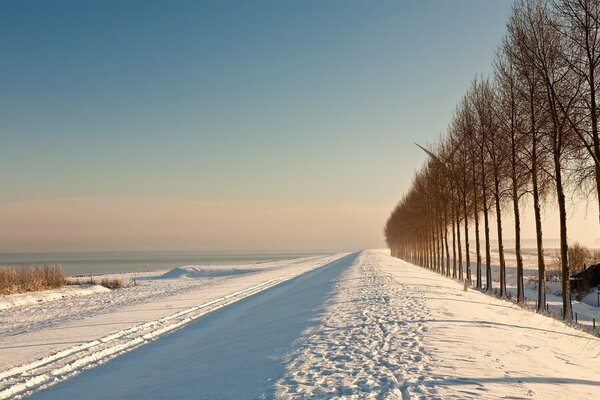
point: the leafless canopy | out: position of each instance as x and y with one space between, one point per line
530 131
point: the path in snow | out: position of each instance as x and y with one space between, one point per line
369 344
397 331
32 332
79 336
232 353
366 326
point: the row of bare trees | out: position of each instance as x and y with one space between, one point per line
528 131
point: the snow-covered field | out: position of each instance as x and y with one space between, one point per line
366 326
397 331
45 342
32 298
587 308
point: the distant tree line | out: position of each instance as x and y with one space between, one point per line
529 130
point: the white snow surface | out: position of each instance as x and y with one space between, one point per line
45 343
30 298
396 331
206 271
389 330
587 309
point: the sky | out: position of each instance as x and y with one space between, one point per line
224 125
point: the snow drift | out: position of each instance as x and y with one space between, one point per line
206 271
29 298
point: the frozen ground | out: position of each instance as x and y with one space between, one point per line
33 298
397 331
365 326
233 353
44 343
587 309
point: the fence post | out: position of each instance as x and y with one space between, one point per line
594 322
575 317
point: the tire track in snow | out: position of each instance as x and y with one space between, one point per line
368 344
24 379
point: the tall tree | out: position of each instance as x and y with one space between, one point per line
548 50
510 117
579 26
495 150
519 50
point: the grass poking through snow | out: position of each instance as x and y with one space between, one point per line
31 278
113 283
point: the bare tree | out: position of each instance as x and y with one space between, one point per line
525 132
495 150
519 51
510 117
484 123
472 139
542 41
579 25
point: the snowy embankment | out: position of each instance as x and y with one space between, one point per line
588 312
30 298
394 330
46 343
205 271
235 353
78 289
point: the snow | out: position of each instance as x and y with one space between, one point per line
27 299
364 326
587 309
397 331
45 343
368 343
233 353
591 298
199 271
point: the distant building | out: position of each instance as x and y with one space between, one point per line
584 280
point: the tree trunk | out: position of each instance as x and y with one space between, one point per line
478 283
537 208
453 248
447 272
486 223
500 244
594 113
467 255
515 195
597 172
441 241
429 250
459 266
442 250
520 287
476 217
564 248
434 249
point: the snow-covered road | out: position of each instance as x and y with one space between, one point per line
366 326
233 353
397 331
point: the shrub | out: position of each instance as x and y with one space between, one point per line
30 278
113 283
9 280
579 257
54 276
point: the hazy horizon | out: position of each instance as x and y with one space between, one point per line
132 126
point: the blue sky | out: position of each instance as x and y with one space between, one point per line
278 104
